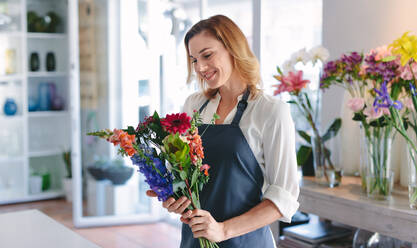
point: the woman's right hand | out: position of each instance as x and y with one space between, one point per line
172 205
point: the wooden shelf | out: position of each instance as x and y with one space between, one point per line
348 205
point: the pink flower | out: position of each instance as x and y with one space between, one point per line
362 70
356 104
406 72
293 82
382 52
371 114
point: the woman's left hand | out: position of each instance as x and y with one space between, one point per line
203 225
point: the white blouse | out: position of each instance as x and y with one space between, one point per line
269 130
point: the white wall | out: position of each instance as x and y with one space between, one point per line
359 25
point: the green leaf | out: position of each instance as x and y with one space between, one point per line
332 130
183 175
292 102
389 58
358 117
279 71
303 153
308 101
195 200
130 130
194 177
305 136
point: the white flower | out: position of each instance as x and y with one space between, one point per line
288 66
319 53
301 56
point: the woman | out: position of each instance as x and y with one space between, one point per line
251 149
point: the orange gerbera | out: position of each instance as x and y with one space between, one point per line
123 139
196 146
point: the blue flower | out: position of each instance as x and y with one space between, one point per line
159 181
383 99
413 89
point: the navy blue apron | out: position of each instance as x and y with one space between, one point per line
236 181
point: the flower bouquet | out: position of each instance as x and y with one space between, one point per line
404 53
169 152
292 82
374 85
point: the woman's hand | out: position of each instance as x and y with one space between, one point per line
202 224
172 205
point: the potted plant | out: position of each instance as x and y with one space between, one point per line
67 181
118 173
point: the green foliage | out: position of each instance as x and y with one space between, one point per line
303 153
332 130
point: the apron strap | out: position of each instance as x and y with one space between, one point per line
203 106
241 106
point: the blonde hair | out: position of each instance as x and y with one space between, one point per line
233 39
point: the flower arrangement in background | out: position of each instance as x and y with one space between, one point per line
378 87
169 153
291 81
404 49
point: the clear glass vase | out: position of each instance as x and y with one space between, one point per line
379 176
412 178
325 171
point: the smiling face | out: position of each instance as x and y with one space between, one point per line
210 59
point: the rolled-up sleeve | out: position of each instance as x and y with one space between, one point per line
281 161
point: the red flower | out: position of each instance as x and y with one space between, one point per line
205 167
292 83
176 123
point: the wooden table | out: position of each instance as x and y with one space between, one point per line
32 228
347 204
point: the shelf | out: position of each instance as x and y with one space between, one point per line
12 77
11 196
47 74
45 153
46 36
43 114
348 205
11 159
11 34
11 117
14 196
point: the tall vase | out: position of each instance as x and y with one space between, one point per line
326 172
379 176
363 161
412 178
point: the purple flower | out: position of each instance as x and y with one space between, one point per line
383 99
159 181
413 89
351 61
386 70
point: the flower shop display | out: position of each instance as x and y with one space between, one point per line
291 81
378 83
169 153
